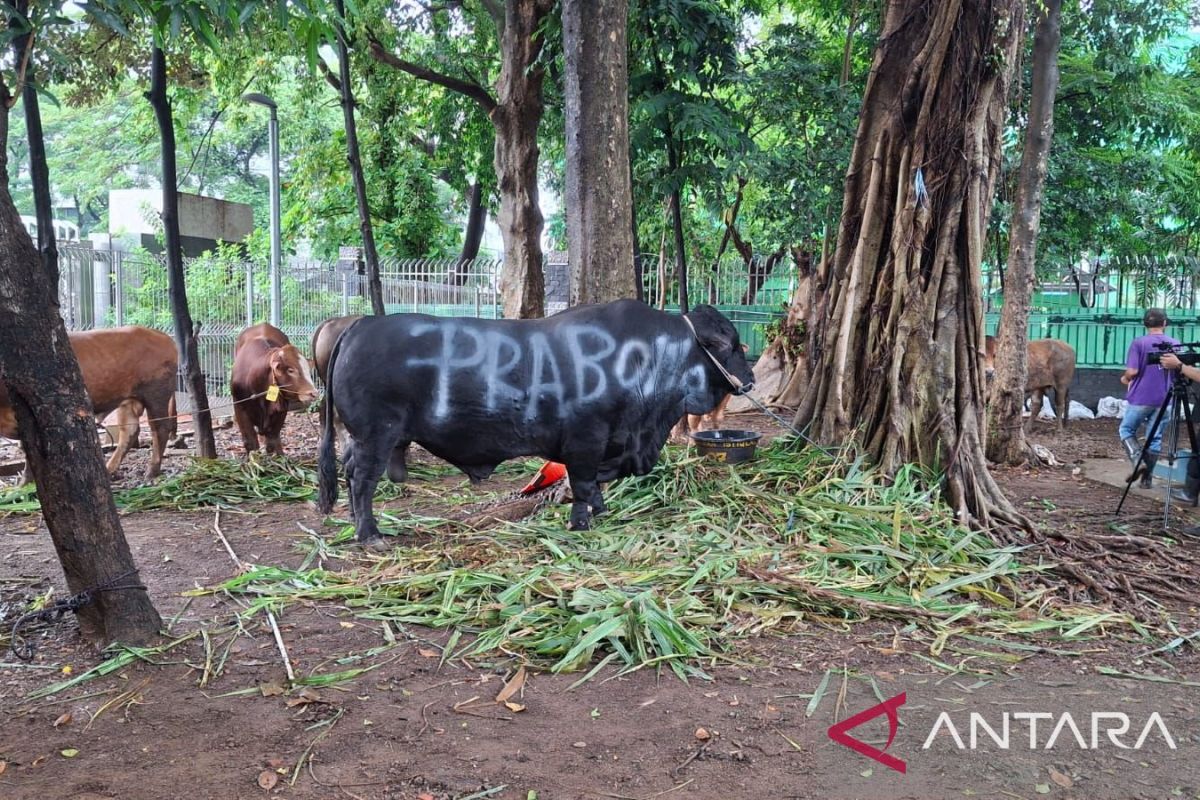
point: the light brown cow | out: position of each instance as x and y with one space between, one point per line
268 374
130 368
1051 366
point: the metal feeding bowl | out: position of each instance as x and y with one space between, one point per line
732 447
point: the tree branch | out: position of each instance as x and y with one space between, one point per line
330 78
472 90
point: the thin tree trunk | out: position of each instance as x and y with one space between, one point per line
354 157
899 352
639 265
1006 430
517 115
58 432
185 330
730 218
599 194
476 216
39 171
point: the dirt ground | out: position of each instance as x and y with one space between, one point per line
423 728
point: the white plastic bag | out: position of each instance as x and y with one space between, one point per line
1111 407
1079 411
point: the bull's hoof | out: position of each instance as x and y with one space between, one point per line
378 544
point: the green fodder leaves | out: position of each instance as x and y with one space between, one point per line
692 557
224 483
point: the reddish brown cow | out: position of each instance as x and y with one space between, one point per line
1051 366
268 373
130 368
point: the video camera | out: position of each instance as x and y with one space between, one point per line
1185 352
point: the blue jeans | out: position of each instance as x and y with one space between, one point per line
1137 416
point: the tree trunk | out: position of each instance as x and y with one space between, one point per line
517 114
730 218
599 194
899 361
185 330
58 432
639 265
354 157
1006 429
39 171
476 217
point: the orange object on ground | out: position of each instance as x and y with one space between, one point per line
551 473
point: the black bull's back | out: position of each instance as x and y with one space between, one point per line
597 388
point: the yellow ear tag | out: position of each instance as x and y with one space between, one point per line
272 393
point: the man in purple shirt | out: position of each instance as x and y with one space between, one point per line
1148 386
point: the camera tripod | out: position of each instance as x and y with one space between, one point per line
1177 402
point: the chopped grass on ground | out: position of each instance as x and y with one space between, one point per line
691 558
228 483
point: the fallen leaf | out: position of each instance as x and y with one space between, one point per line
579 744
267 780
734 701
346 624
70 752
514 707
310 694
38 760
427 653
64 719
1042 788
868 772
1061 779
703 735
3 766
270 689
514 685
425 796
68 669
275 763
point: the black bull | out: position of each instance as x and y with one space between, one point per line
597 388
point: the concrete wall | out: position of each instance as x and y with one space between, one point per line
203 221
1092 383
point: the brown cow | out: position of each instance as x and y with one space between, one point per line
1051 366
323 340
130 368
712 421
268 373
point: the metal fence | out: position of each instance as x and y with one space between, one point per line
1096 304
102 288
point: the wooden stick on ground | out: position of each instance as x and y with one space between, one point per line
242 567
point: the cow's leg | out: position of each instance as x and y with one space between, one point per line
397 468
160 409
272 431
371 455
1035 404
586 491
249 436
128 414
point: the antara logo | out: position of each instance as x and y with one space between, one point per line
1110 725
839 733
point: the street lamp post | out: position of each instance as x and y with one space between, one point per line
276 224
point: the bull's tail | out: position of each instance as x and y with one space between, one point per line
327 480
